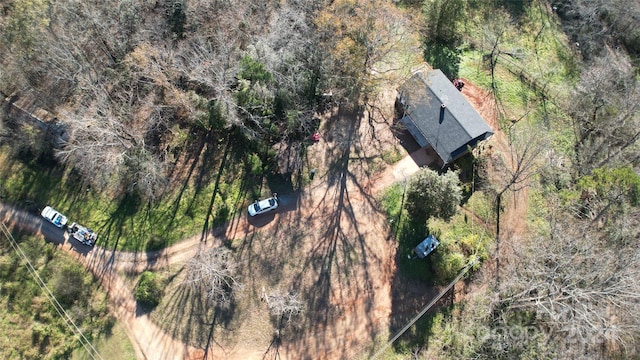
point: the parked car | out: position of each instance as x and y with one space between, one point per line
54 216
263 206
426 246
82 234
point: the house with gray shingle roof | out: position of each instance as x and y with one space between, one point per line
437 115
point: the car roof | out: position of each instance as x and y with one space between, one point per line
427 245
265 203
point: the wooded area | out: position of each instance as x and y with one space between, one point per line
136 85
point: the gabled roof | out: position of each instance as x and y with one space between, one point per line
437 114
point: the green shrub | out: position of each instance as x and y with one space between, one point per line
474 245
156 243
482 205
430 194
391 200
447 264
460 243
69 284
254 164
177 19
254 71
149 289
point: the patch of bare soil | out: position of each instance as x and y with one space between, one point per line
336 247
514 204
512 222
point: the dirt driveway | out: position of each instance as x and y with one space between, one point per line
335 246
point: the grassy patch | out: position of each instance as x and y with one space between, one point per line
407 232
31 327
128 223
481 205
534 60
460 239
111 346
392 202
473 69
391 156
537 212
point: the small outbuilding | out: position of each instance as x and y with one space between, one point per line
437 115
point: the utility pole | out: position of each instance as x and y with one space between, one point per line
425 309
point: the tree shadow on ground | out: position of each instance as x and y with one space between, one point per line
323 267
115 227
205 166
191 160
215 192
187 314
273 351
419 333
326 278
208 161
39 185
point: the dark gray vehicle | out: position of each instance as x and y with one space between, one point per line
426 246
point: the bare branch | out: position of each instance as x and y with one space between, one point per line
285 304
213 272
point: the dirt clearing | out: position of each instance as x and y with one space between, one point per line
329 242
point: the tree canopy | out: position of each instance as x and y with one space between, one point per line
430 194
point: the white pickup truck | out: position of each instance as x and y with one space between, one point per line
82 234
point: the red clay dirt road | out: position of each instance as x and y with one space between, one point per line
365 306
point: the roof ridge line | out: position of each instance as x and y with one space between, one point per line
430 89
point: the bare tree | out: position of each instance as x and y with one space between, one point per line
526 144
213 272
285 304
515 169
519 164
585 289
605 111
359 36
595 24
108 151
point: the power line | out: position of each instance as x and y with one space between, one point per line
425 309
45 289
